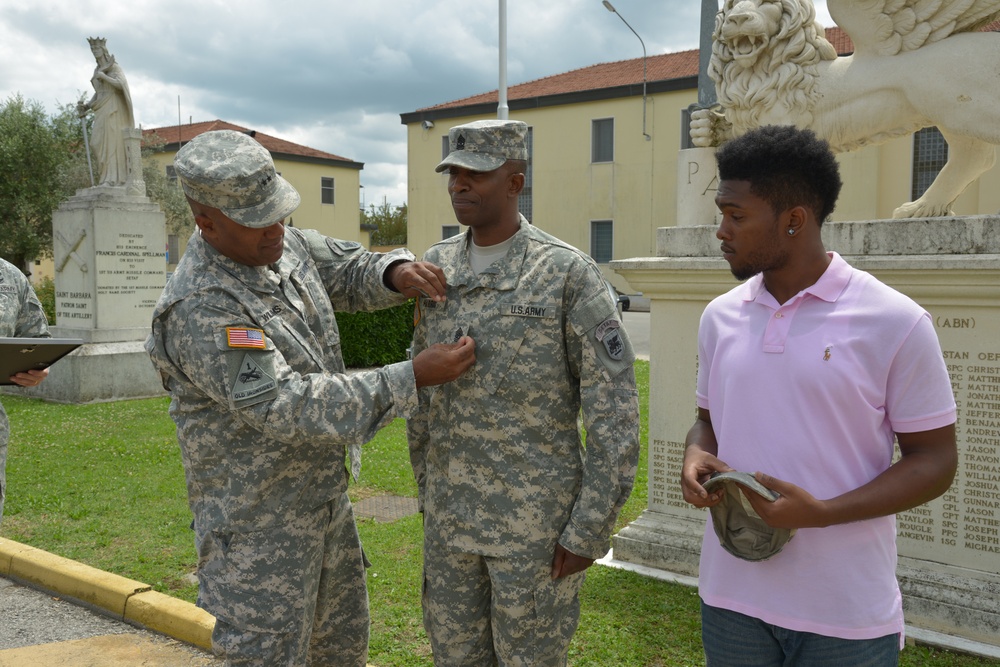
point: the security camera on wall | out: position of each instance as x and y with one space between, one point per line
427 124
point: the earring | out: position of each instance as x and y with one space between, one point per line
791 232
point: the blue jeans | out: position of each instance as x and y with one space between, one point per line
732 639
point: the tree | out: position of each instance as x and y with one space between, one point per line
164 191
390 222
34 151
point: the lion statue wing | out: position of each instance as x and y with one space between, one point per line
890 27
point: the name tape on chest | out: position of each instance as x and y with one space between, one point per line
246 338
527 310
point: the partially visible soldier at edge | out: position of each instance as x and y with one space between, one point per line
245 339
515 509
21 316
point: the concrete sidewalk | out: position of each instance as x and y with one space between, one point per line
59 613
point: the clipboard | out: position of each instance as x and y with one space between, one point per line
21 354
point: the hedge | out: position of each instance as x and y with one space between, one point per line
378 338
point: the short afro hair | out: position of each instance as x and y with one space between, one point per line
785 166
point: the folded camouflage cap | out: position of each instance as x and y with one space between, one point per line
740 530
484 145
230 171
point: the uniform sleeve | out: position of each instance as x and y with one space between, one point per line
417 431
353 276
31 320
212 345
602 356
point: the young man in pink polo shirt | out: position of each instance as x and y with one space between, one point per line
807 373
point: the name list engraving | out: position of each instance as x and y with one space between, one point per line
965 521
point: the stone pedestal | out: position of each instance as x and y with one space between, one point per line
949 565
110 269
697 183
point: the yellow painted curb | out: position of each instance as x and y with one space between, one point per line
7 551
125 598
172 617
67 577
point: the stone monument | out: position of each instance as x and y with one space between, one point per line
109 249
916 64
949 549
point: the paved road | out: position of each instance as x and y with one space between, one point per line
37 629
637 325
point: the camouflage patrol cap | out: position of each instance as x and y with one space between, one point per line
740 530
484 145
230 171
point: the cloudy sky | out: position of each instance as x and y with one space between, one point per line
330 74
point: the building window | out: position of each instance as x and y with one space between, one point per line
602 238
445 147
930 152
447 231
524 200
602 147
171 173
326 190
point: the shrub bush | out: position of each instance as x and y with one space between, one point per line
378 338
46 292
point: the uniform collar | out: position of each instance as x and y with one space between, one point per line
257 278
500 275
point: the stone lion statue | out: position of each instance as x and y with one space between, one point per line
916 64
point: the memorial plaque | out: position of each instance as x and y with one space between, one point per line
130 267
110 263
962 527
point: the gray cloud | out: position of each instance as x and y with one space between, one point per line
330 74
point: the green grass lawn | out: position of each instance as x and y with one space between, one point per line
103 484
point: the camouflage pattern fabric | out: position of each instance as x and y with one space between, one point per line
488 611
264 414
484 145
21 316
497 453
230 171
270 568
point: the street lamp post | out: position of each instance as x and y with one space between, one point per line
611 8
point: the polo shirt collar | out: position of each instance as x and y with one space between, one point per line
829 287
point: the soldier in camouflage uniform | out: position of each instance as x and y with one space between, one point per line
21 316
515 509
245 340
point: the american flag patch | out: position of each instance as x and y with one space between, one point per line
245 337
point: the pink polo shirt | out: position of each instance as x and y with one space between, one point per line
811 392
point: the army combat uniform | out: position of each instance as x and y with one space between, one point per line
497 453
251 357
21 316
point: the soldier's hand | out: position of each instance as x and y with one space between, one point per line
413 279
443 362
31 378
565 562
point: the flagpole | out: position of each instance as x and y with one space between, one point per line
502 108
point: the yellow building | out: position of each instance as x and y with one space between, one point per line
330 185
603 158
